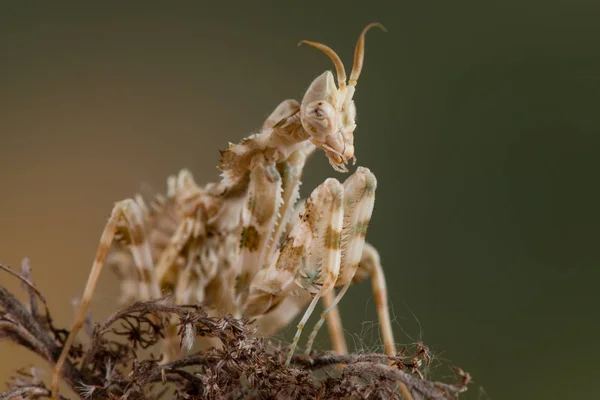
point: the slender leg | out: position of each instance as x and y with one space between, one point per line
272 322
359 199
129 211
334 325
371 264
301 325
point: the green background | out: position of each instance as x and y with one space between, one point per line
480 120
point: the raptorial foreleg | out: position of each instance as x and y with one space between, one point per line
319 274
359 199
304 244
291 172
259 216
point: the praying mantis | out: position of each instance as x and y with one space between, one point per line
247 245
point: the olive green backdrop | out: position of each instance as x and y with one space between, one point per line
480 120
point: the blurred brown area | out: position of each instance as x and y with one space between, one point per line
480 120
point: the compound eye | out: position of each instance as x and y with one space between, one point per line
350 113
319 115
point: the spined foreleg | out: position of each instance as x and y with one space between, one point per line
359 199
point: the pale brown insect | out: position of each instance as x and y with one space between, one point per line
245 245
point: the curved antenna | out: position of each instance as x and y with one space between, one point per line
359 53
339 67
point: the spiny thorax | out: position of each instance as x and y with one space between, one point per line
276 144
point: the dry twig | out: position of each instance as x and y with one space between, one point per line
244 366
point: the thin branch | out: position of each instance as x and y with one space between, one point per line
25 281
433 390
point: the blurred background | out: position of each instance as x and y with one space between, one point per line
480 121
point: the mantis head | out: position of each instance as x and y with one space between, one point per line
328 112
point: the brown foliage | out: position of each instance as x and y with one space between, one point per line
243 367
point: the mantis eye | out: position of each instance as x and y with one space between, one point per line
350 114
319 118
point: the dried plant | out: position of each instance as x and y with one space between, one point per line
243 366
